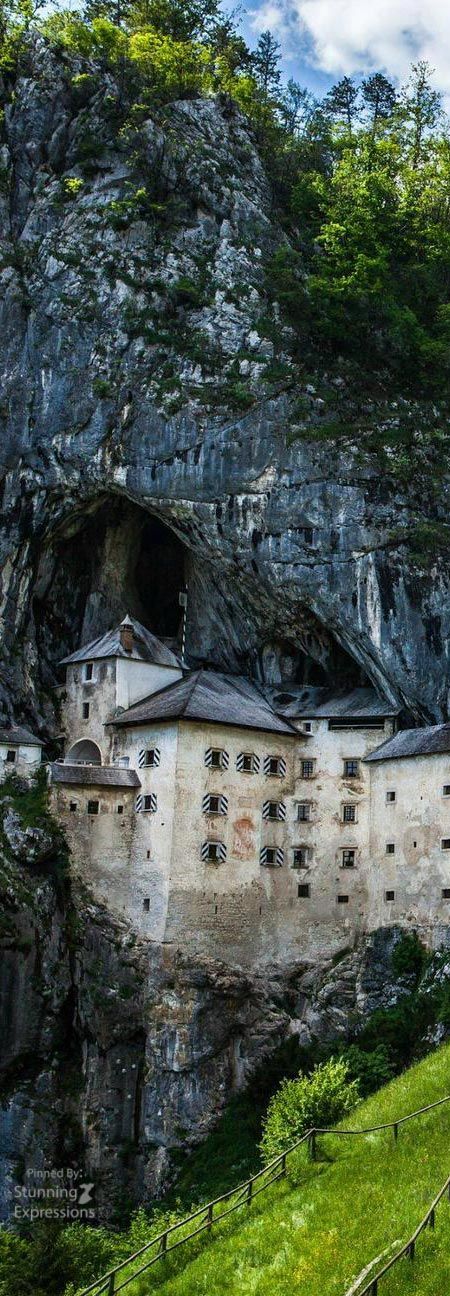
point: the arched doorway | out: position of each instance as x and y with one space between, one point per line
83 752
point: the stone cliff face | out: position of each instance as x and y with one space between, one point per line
157 429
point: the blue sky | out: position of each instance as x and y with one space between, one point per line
323 40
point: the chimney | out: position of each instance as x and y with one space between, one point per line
126 635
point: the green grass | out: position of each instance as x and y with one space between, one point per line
315 1233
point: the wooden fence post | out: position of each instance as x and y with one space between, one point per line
249 1193
312 1145
210 1217
395 1132
283 1163
431 1219
111 1285
411 1250
374 1288
163 1246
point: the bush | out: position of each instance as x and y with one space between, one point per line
409 955
316 1100
370 1070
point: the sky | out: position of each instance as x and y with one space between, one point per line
323 40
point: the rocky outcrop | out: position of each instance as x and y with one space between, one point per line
148 378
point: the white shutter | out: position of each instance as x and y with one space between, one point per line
223 805
281 810
225 760
139 804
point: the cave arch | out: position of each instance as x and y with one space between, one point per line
83 752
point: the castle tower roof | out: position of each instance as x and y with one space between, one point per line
142 646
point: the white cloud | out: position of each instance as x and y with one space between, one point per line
351 36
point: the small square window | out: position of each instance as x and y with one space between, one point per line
272 810
149 854
389 896
149 803
446 893
390 848
342 899
86 708
150 757
216 759
446 790
308 533
146 905
349 813
351 768
120 809
304 811
89 672
214 805
247 762
348 858
301 857
303 891
72 807
445 843
11 756
390 796
213 851
307 725
93 807
307 768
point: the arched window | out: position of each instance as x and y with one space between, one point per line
83 752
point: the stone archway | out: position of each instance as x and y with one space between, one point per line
83 752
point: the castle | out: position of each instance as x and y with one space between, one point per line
250 824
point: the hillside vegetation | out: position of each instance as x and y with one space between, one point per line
315 1233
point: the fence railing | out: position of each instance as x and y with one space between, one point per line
409 1247
205 1217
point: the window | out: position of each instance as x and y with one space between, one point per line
446 789
304 811
214 852
274 810
146 905
275 766
301 857
146 804
11 756
390 848
149 757
120 809
271 856
445 843
122 761
92 807
389 895
349 813
89 672
391 796
308 534
72 806
215 804
303 891
348 858
342 899
351 768
86 709
217 758
446 893
307 768
356 722
247 763
307 725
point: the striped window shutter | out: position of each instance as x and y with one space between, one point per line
141 807
281 765
281 809
255 762
279 857
221 850
223 804
142 758
224 761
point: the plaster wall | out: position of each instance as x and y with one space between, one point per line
415 824
136 680
28 760
100 695
100 844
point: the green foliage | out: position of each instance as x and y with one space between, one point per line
369 1070
320 1099
410 955
71 186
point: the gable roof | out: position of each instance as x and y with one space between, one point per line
17 736
428 741
325 703
95 775
146 647
207 695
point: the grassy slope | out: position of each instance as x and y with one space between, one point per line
315 1237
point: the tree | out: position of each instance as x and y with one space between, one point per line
296 107
421 108
265 63
341 101
379 97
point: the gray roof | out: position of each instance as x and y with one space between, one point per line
146 647
16 735
207 695
95 775
414 742
326 703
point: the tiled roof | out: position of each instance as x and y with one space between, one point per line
414 742
17 736
146 647
207 695
95 775
324 703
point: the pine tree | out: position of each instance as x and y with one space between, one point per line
379 97
341 101
265 64
421 106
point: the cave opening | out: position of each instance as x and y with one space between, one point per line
111 559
